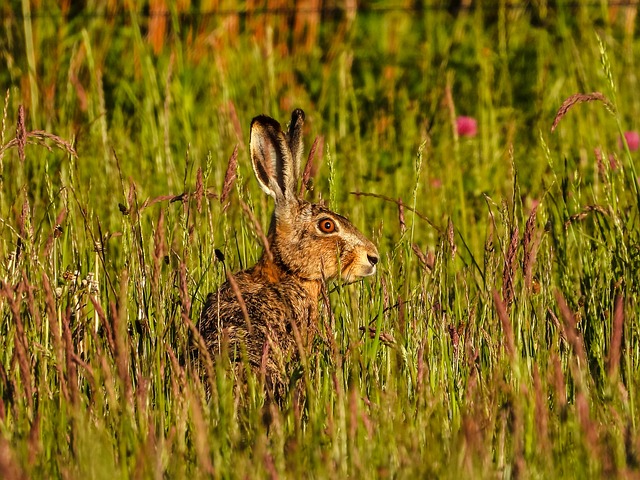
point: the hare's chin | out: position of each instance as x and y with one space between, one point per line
355 274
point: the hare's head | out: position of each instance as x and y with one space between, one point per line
307 240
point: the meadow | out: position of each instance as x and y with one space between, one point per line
500 337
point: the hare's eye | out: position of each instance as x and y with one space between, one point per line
327 225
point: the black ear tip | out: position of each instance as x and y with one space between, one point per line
296 115
265 121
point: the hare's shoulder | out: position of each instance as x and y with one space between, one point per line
265 302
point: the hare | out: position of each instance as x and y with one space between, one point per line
266 314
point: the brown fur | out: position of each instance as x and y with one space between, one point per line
280 294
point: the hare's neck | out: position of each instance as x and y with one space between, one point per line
301 294
275 272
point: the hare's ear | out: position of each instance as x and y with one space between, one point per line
294 139
271 158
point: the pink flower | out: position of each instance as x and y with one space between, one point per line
633 140
467 126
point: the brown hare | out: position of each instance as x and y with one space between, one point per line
267 313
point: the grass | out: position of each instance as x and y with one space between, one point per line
500 336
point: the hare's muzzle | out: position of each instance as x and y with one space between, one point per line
370 269
366 261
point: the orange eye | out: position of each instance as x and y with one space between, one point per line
327 225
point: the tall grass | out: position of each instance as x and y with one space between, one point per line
500 336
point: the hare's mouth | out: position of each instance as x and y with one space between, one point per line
368 270
353 273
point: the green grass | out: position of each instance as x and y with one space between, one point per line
504 326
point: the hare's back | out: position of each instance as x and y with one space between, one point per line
264 316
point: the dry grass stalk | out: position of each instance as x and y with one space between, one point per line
506 325
230 175
21 352
402 313
393 200
421 370
602 171
25 226
23 137
2 134
142 394
185 298
473 442
584 213
520 464
200 436
9 467
403 225
509 267
302 343
181 197
8 392
203 350
421 256
632 445
5 111
263 363
259 230
122 364
178 384
332 320
529 247
148 456
270 465
559 383
121 343
199 192
556 323
613 360
384 337
452 239
34 443
243 306
454 335
237 128
54 328
38 137
427 259
105 323
55 232
105 368
310 167
167 105
32 307
159 251
541 411
91 378
21 133
353 414
588 426
451 106
570 329
72 373
385 294
576 99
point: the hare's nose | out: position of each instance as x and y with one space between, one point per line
373 259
